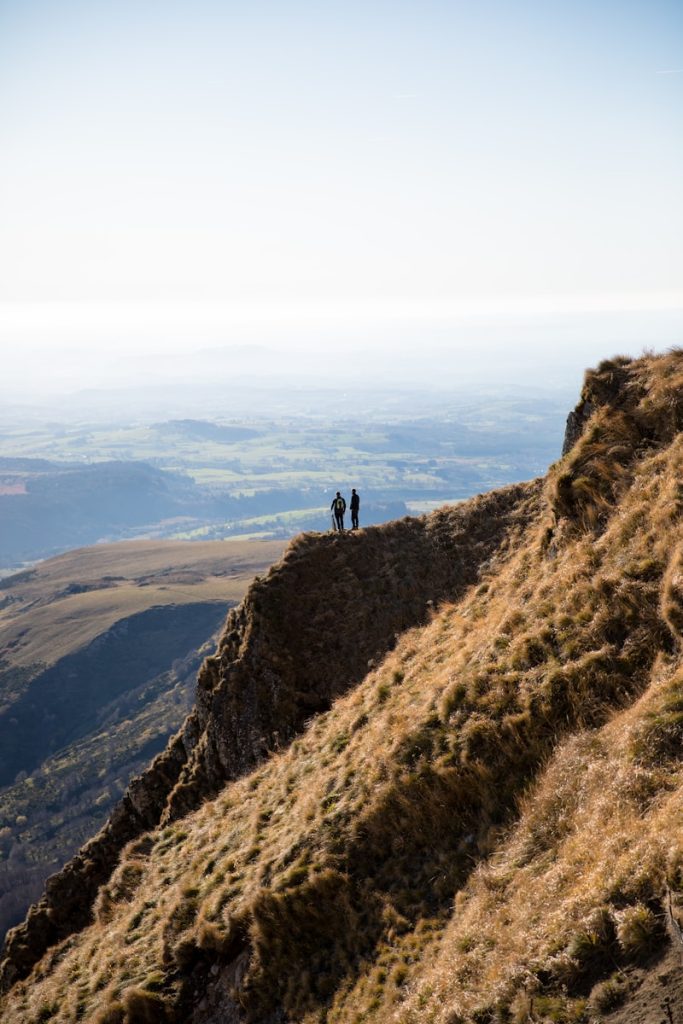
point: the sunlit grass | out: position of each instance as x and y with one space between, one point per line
485 823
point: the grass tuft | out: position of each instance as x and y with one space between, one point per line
143 1007
640 932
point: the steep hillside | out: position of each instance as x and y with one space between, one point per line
480 817
99 651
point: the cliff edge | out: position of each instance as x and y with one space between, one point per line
303 635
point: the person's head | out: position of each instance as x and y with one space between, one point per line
353 490
338 494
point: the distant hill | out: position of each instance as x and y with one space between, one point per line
433 773
49 507
204 430
99 649
63 506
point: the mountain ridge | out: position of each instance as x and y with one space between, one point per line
394 860
217 743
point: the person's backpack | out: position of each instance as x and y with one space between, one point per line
338 504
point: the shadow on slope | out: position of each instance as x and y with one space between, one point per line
61 704
79 732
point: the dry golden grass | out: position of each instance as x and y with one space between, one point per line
484 828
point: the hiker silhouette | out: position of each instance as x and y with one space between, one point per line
355 506
338 506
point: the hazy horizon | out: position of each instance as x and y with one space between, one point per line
495 188
497 354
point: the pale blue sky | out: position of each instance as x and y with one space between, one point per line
216 165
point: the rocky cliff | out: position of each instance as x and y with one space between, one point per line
304 634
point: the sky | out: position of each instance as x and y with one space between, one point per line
177 175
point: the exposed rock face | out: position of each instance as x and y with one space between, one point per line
576 421
607 385
303 635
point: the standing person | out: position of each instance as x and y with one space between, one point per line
355 505
338 506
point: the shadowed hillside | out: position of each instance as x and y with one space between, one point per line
99 651
479 819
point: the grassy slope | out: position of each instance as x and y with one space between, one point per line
56 641
484 828
42 622
47 815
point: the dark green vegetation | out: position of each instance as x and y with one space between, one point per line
267 475
99 651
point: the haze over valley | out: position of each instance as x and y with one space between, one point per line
269 469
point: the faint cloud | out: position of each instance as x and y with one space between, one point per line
670 71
